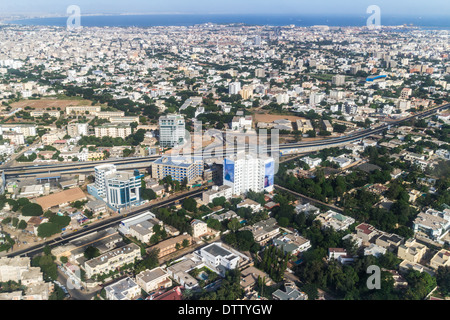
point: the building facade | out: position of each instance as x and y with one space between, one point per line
245 172
171 130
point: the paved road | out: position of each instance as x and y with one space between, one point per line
58 240
302 196
85 167
75 294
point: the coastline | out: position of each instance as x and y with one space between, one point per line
185 19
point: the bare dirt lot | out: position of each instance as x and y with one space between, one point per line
50 103
273 117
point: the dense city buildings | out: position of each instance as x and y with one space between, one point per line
227 161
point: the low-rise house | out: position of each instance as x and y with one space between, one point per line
174 294
312 162
440 259
199 228
250 277
151 280
389 241
248 203
337 221
307 209
170 245
339 254
405 266
220 258
412 251
366 232
264 231
96 206
342 161
217 192
291 292
223 216
140 227
125 289
179 271
353 238
374 250
433 224
292 243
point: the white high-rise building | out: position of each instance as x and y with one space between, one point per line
338 80
123 189
100 173
119 189
316 98
248 171
171 130
234 88
78 129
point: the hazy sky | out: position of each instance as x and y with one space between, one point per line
323 7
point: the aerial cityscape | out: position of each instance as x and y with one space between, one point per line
223 160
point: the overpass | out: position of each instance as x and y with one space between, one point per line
145 162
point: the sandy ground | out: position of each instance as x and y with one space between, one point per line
50 103
273 117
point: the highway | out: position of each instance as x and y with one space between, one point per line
113 221
103 225
144 162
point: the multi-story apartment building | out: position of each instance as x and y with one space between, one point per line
123 120
123 189
113 131
178 168
234 88
112 260
338 80
14 138
27 130
82 110
172 130
110 114
77 129
244 172
100 182
304 125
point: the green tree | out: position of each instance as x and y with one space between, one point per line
185 243
234 224
190 204
32 209
22 225
91 252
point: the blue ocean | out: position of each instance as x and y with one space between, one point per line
442 22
